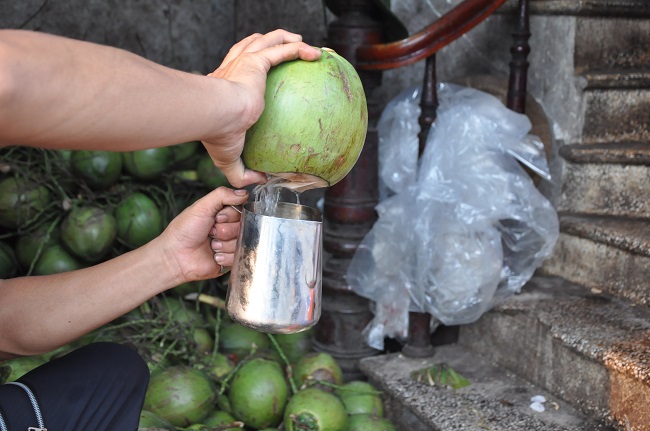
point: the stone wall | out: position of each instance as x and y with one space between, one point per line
192 35
195 35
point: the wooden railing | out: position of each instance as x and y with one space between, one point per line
359 35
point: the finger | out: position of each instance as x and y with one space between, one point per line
276 37
291 51
257 41
225 231
228 215
216 200
238 48
219 246
224 259
239 176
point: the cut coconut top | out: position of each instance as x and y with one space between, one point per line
299 182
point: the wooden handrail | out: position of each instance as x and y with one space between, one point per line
428 41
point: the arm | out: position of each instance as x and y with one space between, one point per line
63 93
41 313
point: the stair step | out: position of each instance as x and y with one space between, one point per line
592 350
617 78
616 115
604 253
621 43
590 7
495 400
592 187
631 235
630 153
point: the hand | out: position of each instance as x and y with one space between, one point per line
201 240
246 66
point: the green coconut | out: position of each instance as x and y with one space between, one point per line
360 397
368 422
218 366
237 341
314 124
318 367
313 409
221 419
181 395
258 393
295 346
151 421
88 232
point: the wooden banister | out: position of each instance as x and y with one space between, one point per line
428 41
359 34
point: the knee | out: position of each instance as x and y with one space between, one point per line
120 360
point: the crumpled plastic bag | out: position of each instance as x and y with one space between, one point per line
461 229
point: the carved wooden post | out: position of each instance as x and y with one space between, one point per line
349 210
419 334
520 49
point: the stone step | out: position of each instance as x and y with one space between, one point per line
604 179
621 44
616 114
626 153
610 254
590 349
621 8
495 400
617 78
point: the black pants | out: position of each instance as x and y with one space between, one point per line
97 387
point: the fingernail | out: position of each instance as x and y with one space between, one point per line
222 218
216 245
240 192
219 257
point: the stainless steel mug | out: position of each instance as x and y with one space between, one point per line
276 278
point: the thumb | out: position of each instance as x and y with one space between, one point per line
239 176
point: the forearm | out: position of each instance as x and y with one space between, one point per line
47 99
47 312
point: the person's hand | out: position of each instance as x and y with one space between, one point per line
246 66
200 242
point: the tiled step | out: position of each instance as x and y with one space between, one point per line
588 348
611 254
495 400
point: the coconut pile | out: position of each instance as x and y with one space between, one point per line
209 373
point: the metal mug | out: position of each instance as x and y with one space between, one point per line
276 278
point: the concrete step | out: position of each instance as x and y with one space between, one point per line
605 189
624 153
622 8
617 78
495 400
616 114
586 347
610 254
621 44
606 179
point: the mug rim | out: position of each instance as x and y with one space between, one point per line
313 215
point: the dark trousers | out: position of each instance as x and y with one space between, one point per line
97 387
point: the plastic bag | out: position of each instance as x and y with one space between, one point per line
464 229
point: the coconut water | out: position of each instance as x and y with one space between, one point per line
267 196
